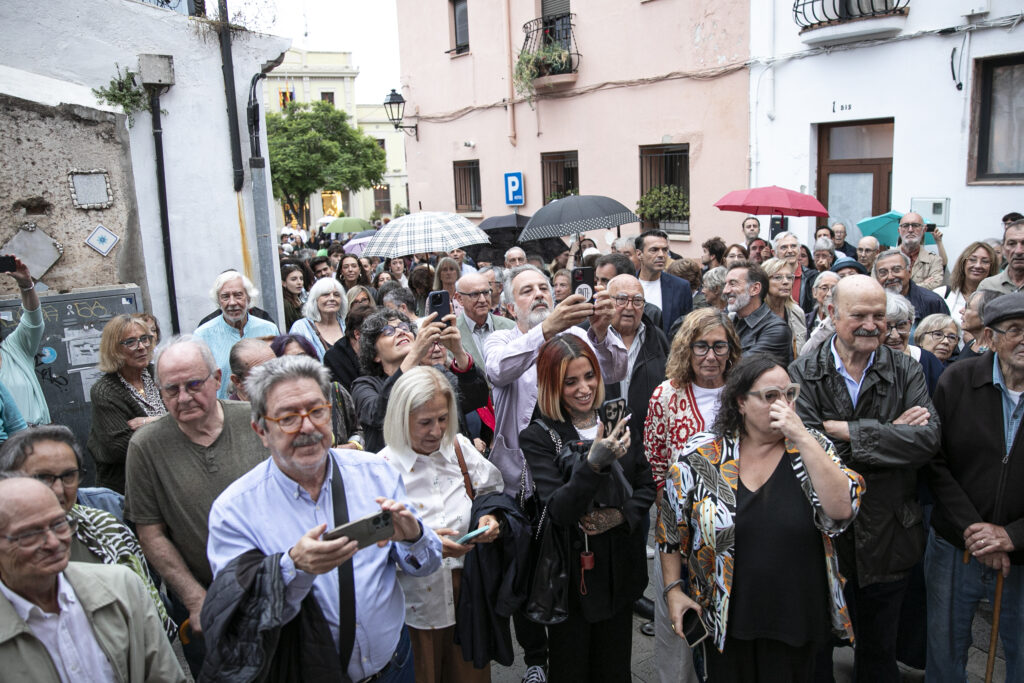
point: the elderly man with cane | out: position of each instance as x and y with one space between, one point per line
977 548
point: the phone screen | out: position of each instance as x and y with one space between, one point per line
694 630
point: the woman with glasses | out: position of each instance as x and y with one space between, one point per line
322 316
780 300
124 399
899 320
51 454
734 254
703 351
940 334
977 262
751 507
389 346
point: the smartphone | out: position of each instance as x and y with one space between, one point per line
583 282
473 534
374 527
694 629
7 264
439 302
611 412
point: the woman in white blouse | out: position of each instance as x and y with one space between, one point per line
441 470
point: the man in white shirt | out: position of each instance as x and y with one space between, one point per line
70 622
669 293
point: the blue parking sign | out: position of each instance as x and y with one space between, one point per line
514 192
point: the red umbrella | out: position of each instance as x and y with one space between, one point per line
773 200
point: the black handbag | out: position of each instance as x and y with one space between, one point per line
548 600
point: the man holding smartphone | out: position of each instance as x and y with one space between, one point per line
926 267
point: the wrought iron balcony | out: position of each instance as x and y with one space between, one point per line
550 46
810 14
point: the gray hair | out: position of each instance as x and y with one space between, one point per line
622 242
401 295
265 377
935 321
507 295
715 278
226 277
824 244
412 391
897 307
324 285
886 254
19 447
782 235
178 339
510 249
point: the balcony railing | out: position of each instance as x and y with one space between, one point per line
551 39
810 14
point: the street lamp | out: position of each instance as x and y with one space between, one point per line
394 105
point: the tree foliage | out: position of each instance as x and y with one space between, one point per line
313 147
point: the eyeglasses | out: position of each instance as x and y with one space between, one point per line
392 330
1013 335
895 270
701 348
902 328
29 540
193 386
69 478
292 422
476 295
133 342
911 226
783 278
773 394
939 335
636 301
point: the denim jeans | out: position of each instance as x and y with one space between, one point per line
954 591
400 669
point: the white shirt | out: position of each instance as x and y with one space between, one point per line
436 488
707 403
652 291
67 635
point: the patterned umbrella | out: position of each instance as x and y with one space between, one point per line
424 232
577 213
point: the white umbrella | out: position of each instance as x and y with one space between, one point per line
424 232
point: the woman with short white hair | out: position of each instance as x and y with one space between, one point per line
322 315
443 473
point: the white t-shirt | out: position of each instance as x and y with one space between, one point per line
707 403
652 291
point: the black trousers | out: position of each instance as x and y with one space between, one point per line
759 661
533 638
597 652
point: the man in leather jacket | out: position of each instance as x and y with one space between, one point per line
874 404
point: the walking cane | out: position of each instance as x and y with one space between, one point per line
996 608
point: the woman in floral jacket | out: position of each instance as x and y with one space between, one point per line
756 537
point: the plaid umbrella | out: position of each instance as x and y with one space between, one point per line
577 213
424 232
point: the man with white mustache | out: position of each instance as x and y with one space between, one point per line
759 330
926 267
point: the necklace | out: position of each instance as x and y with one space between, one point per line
589 420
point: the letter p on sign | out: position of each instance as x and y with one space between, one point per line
514 193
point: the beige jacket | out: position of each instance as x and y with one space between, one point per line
122 616
927 271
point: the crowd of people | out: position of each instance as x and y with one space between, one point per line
378 490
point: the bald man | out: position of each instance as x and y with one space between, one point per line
925 267
476 322
873 403
515 257
867 249
62 621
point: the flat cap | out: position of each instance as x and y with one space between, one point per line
847 262
1003 308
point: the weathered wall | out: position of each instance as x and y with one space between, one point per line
55 52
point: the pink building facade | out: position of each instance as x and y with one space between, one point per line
653 93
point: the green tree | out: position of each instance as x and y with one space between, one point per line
313 147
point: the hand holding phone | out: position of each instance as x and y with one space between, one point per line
440 302
473 534
583 283
374 527
8 264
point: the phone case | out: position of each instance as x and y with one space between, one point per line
366 531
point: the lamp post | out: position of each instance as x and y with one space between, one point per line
394 105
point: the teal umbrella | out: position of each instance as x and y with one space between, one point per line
348 224
885 228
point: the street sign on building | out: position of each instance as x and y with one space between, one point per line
515 195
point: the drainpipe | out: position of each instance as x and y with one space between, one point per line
161 191
509 107
228 69
258 173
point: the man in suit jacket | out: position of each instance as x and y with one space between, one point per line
669 293
476 322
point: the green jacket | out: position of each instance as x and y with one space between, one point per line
123 618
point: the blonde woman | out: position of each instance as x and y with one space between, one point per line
780 300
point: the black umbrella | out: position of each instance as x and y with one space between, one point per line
503 231
509 220
575 214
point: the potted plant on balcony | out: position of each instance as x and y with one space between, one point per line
666 205
549 58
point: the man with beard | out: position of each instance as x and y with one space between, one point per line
892 270
1012 278
873 403
926 267
511 360
759 330
233 292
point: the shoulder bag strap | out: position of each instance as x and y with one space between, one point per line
465 472
346 578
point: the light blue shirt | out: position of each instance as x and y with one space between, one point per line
1011 413
220 337
266 510
852 385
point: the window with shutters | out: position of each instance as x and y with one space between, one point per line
467 185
